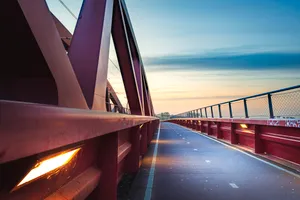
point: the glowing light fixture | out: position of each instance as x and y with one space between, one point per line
48 165
244 125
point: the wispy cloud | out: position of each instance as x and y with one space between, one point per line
253 61
199 98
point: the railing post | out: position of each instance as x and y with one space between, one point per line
233 138
271 112
246 109
108 163
220 112
143 140
258 145
212 112
219 136
133 158
230 110
205 112
201 112
197 113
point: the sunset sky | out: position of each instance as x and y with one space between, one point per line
201 52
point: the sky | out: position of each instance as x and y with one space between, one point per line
201 52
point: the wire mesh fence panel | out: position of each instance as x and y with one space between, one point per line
201 113
286 104
238 110
216 112
225 110
282 103
258 107
208 112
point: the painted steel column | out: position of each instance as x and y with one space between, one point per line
212 112
143 139
258 145
133 158
208 128
136 56
219 134
230 110
246 109
108 164
233 138
146 99
89 50
271 112
122 46
220 111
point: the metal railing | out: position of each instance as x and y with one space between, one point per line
283 103
115 108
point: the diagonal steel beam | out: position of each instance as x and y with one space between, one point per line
122 45
47 37
136 52
66 37
89 50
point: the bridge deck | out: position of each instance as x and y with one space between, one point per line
191 166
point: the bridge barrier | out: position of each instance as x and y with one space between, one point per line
108 145
275 137
277 104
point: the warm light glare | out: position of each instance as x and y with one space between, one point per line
244 126
48 165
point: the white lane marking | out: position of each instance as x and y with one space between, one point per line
148 191
195 149
183 138
208 161
248 154
233 185
188 142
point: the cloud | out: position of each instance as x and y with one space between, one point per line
199 98
250 61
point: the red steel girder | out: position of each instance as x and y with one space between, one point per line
45 34
89 50
123 50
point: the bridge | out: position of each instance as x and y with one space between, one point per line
65 133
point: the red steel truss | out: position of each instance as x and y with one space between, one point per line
53 98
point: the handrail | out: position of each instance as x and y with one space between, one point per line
268 94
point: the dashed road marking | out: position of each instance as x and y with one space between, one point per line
233 185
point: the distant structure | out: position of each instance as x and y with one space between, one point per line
164 116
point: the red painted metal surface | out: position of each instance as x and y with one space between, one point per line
125 57
44 31
279 138
109 141
89 50
53 98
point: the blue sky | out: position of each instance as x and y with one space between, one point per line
201 52
200 26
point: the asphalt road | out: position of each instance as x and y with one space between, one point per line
190 166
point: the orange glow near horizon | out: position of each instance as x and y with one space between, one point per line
47 165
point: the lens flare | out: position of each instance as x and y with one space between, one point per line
48 165
244 125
